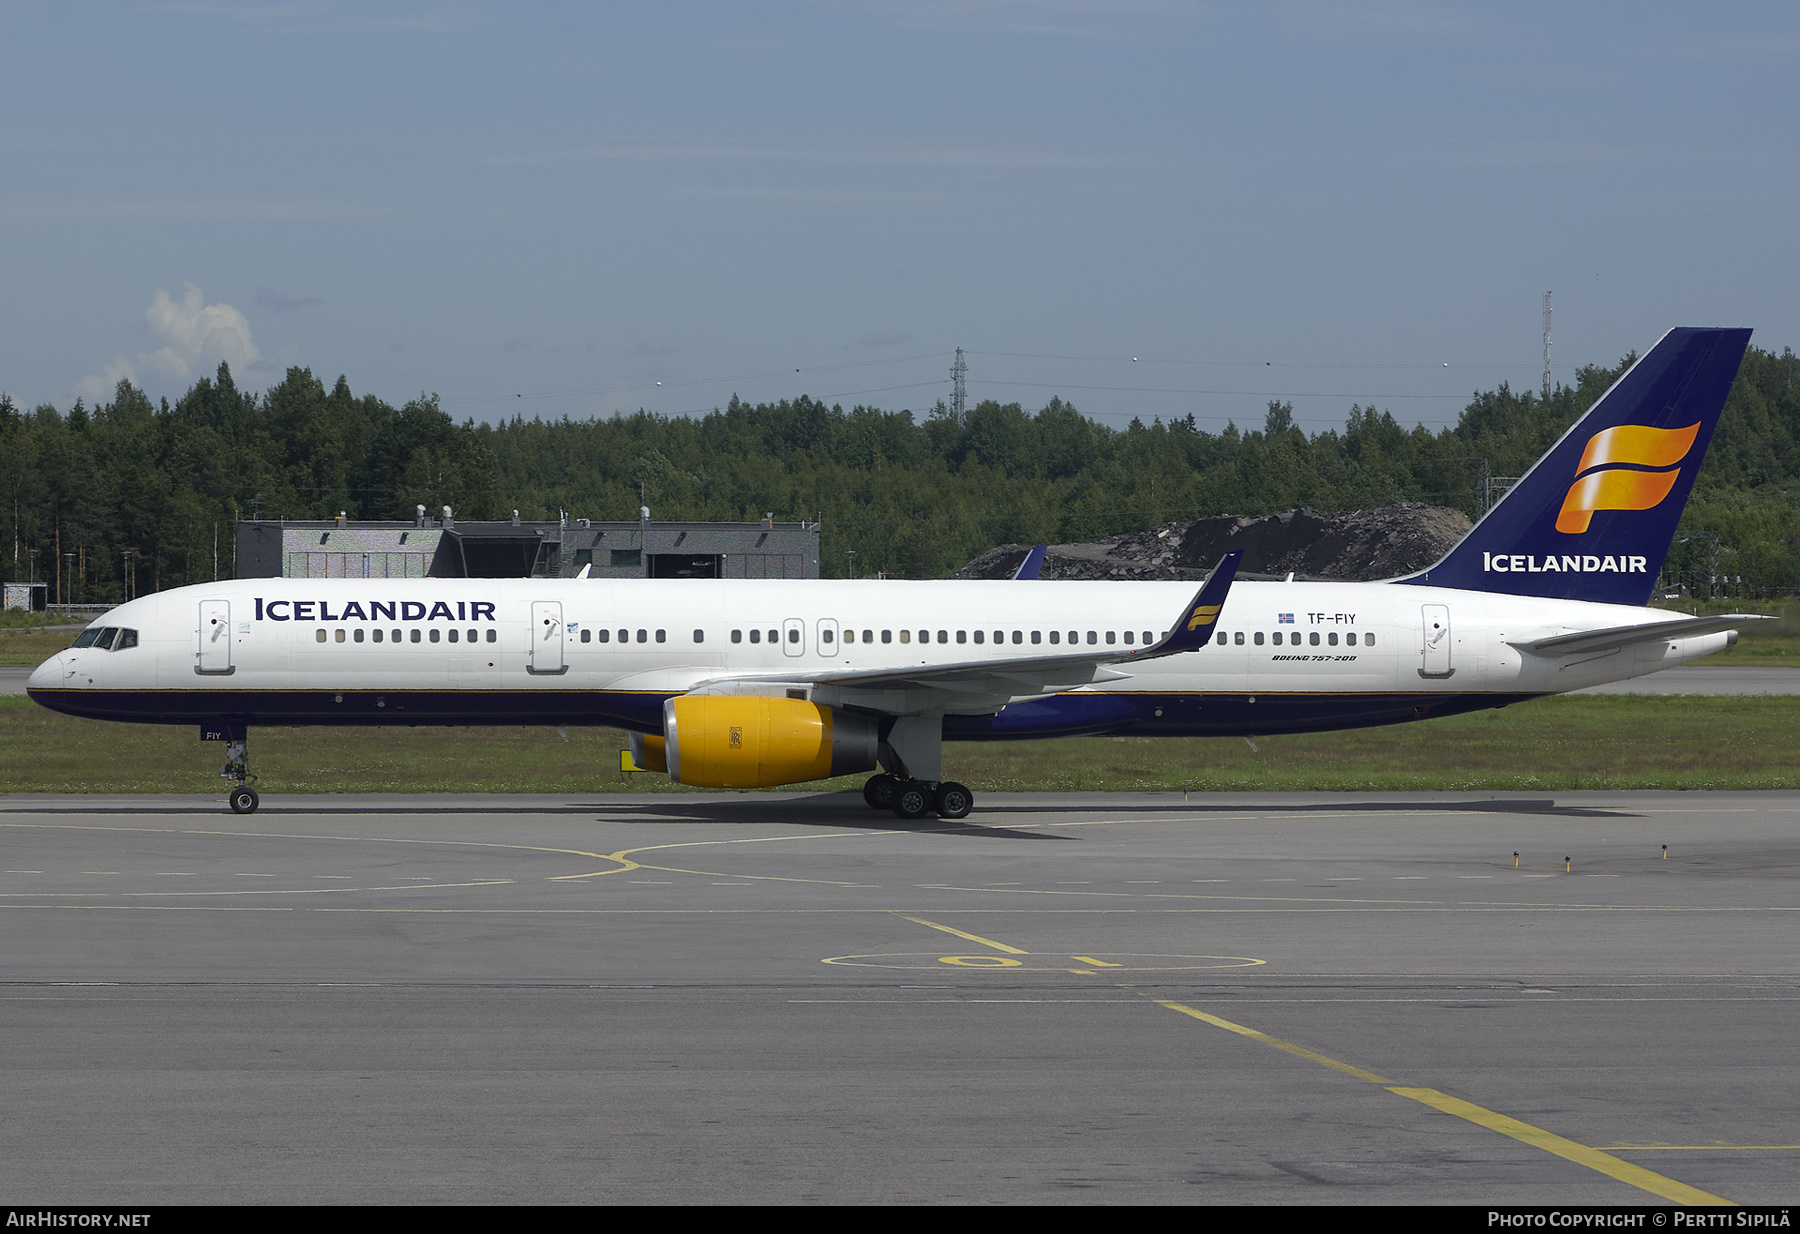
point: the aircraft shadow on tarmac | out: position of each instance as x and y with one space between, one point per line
842 809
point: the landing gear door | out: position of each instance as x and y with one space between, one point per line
1435 651
214 656
793 637
546 639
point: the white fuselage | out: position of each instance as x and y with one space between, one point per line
511 651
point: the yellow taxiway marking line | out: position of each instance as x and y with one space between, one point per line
1525 1133
1311 1056
973 938
1094 962
1699 1148
624 855
1580 1154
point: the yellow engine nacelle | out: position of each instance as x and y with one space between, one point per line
738 741
647 753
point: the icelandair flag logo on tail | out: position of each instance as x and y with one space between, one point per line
1614 483
1593 519
1204 615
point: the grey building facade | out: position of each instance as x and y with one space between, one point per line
450 548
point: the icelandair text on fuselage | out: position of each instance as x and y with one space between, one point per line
1568 563
377 610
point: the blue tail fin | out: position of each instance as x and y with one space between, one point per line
1593 519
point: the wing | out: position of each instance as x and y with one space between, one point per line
1615 637
978 687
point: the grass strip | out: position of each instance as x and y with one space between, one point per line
1573 742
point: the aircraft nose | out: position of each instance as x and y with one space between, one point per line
47 675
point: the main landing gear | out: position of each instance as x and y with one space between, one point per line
243 798
917 798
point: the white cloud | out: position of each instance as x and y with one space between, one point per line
195 335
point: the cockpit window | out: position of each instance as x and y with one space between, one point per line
127 638
105 640
86 637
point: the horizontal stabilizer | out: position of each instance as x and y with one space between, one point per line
1616 637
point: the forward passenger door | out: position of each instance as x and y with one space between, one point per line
546 639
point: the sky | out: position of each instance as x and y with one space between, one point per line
1149 209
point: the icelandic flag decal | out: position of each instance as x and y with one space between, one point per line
1286 619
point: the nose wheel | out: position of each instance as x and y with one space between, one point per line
243 798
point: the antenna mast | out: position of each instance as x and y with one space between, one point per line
958 395
1546 346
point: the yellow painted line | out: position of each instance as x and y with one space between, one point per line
1300 1051
1700 1148
1525 1133
1550 1142
1094 962
624 855
973 938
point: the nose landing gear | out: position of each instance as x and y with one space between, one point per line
243 798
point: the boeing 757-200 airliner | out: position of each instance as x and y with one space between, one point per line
729 683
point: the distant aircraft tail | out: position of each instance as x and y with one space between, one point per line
1593 519
1033 563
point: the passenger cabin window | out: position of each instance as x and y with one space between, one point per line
662 636
1349 640
1037 636
825 635
737 636
1313 638
415 636
1259 638
849 636
906 636
319 636
887 636
359 634
756 636
1238 638
1056 636
868 636
434 635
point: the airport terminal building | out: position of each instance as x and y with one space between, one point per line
448 548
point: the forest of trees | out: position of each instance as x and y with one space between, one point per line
132 494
